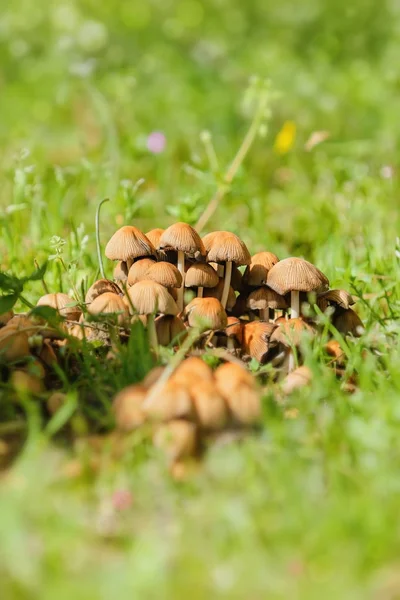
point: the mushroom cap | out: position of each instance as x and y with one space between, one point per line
169 327
166 274
183 237
206 313
148 297
296 275
192 369
201 275
265 297
129 243
172 401
139 269
210 408
298 378
154 236
120 272
216 292
65 305
256 272
240 392
234 329
224 246
289 332
5 317
177 439
127 407
339 297
100 287
348 322
256 339
14 344
109 303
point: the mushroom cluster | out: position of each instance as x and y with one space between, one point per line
239 308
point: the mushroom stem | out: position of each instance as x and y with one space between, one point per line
151 328
200 291
98 246
294 304
272 315
227 283
181 268
291 364
264 314
230 344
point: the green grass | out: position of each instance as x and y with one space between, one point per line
309 507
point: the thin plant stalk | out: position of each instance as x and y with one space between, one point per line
98 246
227 283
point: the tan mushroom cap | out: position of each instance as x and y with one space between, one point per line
154 236
63 304
241 393
166 274
14 344
169 328
216 292
192 369
289 332
127 407
256 272
297 379
148 297
5 317
177 439
348 322
107 303
296 275
339 297
256 338
234 329
264 297
139 269
120 272
201 275
100 287
224 246
183 237
171 402
209 406
206 313
129 243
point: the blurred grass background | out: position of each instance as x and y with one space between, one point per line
310 508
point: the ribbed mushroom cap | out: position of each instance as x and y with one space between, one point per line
14 344
165 274
209 406
109 303
120 272
139 269
192 369
206 313
173 401
127 407
224 246
289 332
298 378
183 237
154 236
177 439
256 272
169 328
296 274
264 297
100 287
256 339
234 329
129 243
337 297
216 292
240 392
63 304
148 297
348 322
201 275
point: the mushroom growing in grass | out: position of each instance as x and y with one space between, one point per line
289 334
336 298
101 287
234 333
257 271
148 298
256 339
154 236
109 304
296 275
165 274
347 322
129 244
63 304
170 329
184 240
206 314
266 301
138 270
226 248
241 393
200 276
120 272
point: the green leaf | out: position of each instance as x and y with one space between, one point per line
47 313
7 302
37 274
10 283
